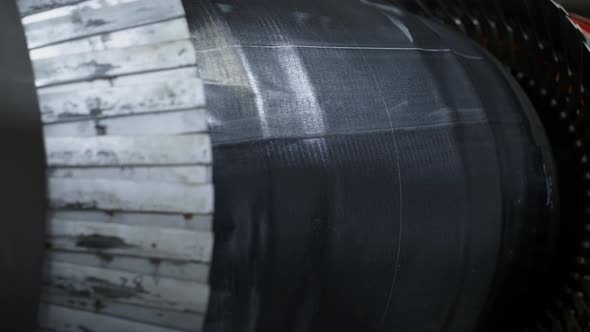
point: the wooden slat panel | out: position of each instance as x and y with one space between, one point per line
158 268
181 221
190 175
124 287
126 141
164 243
61 319
123 150
185 321
161 32
95 17
87 66
147 92
131 196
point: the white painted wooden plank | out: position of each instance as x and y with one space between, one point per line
85 128
164 123
176 244
180 221
167 75
185 321
28 7
146 92
125 151
95 17
130 196
167 123
164 174
129 80
60 319
124 287
65 11
160 32
158 268
87 66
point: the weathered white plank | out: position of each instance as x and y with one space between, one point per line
28 7
151 242
185 321
162 123
165 174
158 268
87 66
161 32
65 11
60 319
142 93
167 123
84 128
125 150
128 80
95 17
130 196
125 287
180 221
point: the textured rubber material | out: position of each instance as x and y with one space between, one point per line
22 199
129 236
548 55
374 171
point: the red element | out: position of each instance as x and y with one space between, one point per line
583 22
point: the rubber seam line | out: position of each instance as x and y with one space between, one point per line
361 48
